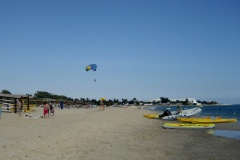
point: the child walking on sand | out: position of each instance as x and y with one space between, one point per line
45 110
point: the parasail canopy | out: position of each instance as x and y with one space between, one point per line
91 67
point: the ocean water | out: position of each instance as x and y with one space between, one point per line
227 133
224 111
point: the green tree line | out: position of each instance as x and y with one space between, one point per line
46 95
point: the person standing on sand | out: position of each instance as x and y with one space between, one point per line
52 106
102 105
0 109
45 109
61 104
19 107
48 110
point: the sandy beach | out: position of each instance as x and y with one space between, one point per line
113 134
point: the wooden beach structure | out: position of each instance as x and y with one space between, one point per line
11 100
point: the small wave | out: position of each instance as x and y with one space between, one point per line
152 108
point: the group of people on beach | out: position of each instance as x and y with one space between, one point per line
48 109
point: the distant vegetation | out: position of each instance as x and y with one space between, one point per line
43 94
46 96
6 92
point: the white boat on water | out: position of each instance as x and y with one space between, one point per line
167 115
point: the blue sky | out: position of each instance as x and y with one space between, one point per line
143 49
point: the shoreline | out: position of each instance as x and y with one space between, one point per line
189 105
116 133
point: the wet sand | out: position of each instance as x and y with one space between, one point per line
113 134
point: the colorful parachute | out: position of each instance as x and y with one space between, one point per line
91 67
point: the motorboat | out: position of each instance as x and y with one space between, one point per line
168 115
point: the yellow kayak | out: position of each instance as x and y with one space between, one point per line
187 126
151 116
214 120
190 119
185 120
145 115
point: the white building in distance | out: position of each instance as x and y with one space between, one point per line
190 100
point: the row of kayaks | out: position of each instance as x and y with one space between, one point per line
193 122
196 119
186 119
198 123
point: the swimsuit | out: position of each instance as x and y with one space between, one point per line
45 111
